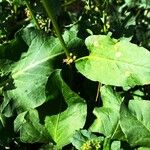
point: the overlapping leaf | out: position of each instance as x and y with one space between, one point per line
113 62
31 72
31 131
107 121
68 111
135 122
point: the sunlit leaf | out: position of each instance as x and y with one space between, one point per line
107 121
115 62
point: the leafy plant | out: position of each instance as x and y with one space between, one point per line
74 75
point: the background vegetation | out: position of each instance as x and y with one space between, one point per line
75 74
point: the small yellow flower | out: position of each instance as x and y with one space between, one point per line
70 60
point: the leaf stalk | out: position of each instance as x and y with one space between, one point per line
50 13
32 14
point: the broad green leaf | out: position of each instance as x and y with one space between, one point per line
31 131
83 137
68 111
107 121
135 122
31 72
113 62
110 98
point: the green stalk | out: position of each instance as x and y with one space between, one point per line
106 145
49 11
32 14
98 91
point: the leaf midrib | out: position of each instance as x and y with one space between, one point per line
113 60
15 75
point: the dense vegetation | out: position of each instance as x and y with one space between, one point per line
75 74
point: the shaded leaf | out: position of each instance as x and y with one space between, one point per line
13 49
68 111
31 131
135 122
6 107
6 131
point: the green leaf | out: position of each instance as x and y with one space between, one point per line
6 108
110 98
68 111
139 3
82 137
116 145
138 94
113 62
135 123
143 148
31 130
107 121
31 72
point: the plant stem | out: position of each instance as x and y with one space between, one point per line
32 14
106 145
98 91
52 17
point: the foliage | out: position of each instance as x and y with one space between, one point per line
115 60
75 74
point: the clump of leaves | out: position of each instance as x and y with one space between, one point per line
83 83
